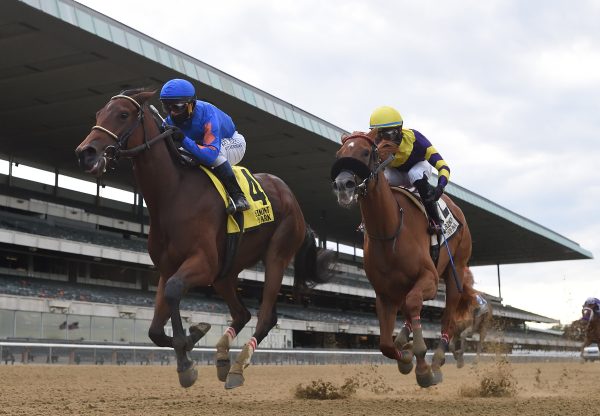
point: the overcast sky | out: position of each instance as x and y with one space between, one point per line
507 91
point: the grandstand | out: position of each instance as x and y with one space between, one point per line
74 266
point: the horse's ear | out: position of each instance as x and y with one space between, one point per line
344 136
372 134
144 96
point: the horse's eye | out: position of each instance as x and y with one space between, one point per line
123 115
366 153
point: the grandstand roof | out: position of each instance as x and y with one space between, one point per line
62 61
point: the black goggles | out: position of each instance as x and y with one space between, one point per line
174 107
388 134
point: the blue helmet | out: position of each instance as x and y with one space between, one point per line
178 89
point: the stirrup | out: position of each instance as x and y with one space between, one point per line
361 227
434 228
233 207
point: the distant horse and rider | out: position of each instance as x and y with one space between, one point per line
590 316
189 241
397 258
477 321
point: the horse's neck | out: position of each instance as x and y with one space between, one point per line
157 177
379 209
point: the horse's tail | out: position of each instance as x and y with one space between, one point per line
312 265
467 298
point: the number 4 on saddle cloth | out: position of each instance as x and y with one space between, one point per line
260 211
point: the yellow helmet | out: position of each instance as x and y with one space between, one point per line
385 117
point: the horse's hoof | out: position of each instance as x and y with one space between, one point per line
223 367
234 380
188 377
405 368
425 380
438 377
460 362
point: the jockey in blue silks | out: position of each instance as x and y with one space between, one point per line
210 134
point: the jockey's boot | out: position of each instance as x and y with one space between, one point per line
426 192
227 177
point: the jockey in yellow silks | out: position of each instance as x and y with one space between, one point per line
414 158
413 161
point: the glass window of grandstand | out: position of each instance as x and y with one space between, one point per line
141 330
28 324
7 324
14 261
109 272
54 326
50 266
79 328
102 329
124 330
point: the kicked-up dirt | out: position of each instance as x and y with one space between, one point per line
525 389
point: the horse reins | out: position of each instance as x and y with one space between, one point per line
112 153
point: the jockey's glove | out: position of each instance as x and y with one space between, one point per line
176 133
437 193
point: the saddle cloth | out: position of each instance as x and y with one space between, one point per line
450 224
260 211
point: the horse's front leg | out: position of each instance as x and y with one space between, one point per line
387 311
402 343
162 314
240 316
192 270
425 286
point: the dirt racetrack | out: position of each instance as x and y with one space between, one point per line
542 389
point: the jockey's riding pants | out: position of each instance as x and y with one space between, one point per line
396 177
232 149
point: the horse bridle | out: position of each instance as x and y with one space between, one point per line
590 313
375 167
119 149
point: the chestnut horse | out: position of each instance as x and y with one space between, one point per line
477 321
187 237
396 256
592 330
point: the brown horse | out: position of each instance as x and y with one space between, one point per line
592 330
477 321
396 256
187 238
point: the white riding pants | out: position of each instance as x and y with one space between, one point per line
406 179
232 149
